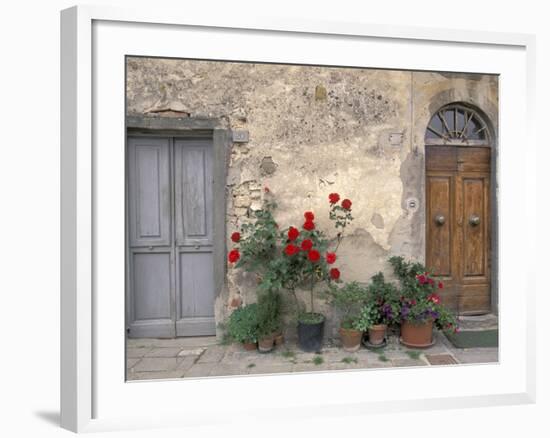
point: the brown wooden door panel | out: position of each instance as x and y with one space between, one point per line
459 249
439 240
473 159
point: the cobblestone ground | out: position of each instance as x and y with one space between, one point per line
204 357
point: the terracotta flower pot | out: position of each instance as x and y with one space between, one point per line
249 346
417 334
351 339
377 334
279 339
265 345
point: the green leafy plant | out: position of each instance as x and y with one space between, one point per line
349 360
413 354
242 325
318 360
268 313
382 357
419 301
349 300
382 304
288 354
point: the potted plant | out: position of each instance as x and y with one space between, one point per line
420 305
242 326
269 319
293 259
349 301
381 309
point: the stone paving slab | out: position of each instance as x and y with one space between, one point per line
137 352
148 364
160 359
408 363
163 352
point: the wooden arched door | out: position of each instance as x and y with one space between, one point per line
458 210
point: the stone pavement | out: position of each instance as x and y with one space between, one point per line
204 357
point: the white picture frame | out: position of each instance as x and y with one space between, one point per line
93 42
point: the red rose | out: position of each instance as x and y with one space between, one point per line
235 237
334 198
309 216
335 273
233 255
291 249
331 258
440 285
346 203
313 255
307 245
309 225
293 233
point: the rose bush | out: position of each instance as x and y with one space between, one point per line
291 258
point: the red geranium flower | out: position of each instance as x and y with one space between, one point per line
431 281
307 245
434 298
309 216
335 273
440 285
233 255
235 237
334 198
346 203
293 233
291 249
331 258
313 255
309 225
421 278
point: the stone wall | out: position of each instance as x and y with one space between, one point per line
313 131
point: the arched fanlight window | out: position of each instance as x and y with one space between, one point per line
458 125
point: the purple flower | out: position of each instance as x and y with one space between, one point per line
404 311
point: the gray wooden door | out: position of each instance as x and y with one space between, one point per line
170 269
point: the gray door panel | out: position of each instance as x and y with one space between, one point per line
193 205
149 191
196 294
193 180
151 284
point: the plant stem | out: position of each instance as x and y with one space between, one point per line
312 285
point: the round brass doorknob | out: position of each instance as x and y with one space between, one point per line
439 219
474 220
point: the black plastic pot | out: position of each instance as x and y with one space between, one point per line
310 336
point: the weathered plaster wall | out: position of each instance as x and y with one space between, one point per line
314 131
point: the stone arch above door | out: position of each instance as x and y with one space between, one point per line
458 124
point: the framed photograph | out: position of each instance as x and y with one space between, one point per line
254 207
